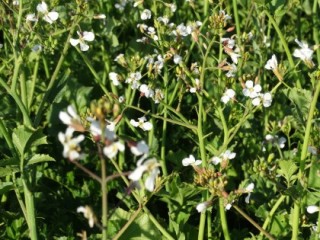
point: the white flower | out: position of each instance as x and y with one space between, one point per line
139 148
249 190
182 30
177 59
146 14
96 131
83 36
112 150
190 161
173 7
142 123
72 119
251 90
146 91
71 147
88 214
227 155
201 207
266 99
234 57
49 17
164 20
114 77
31 17
272 63
312 209
15 3
228 95
305 53
152 167
228 42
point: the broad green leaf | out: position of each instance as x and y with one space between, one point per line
287 170
5 187
25 138
20 137
37 158
5 171
314 176
280 224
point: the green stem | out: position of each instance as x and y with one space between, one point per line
17 99
236 19
223 219
104 192
268 235
55 74
33 82
271 213
304 151
30 209
128 223
316 27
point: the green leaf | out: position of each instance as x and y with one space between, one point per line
20 138
287 170
25 138
37 158
314 178
6 187
5 171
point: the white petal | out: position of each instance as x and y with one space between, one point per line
84 47
216 160
65 118
42 7
53 15
312 209
134 123
250 187
247 199
88 36
256 101
147 126
74 42
201 207
197 162
137 173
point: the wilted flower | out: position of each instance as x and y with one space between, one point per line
228 95
71 147
88 214
305 53
49 17
151 166
190 161
83 36
142 123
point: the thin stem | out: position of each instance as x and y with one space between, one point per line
87 171
304 151
104 192
273 210
128 223
316 27
268 235
33 82
55 73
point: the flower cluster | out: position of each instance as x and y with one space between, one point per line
47 16
253 91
